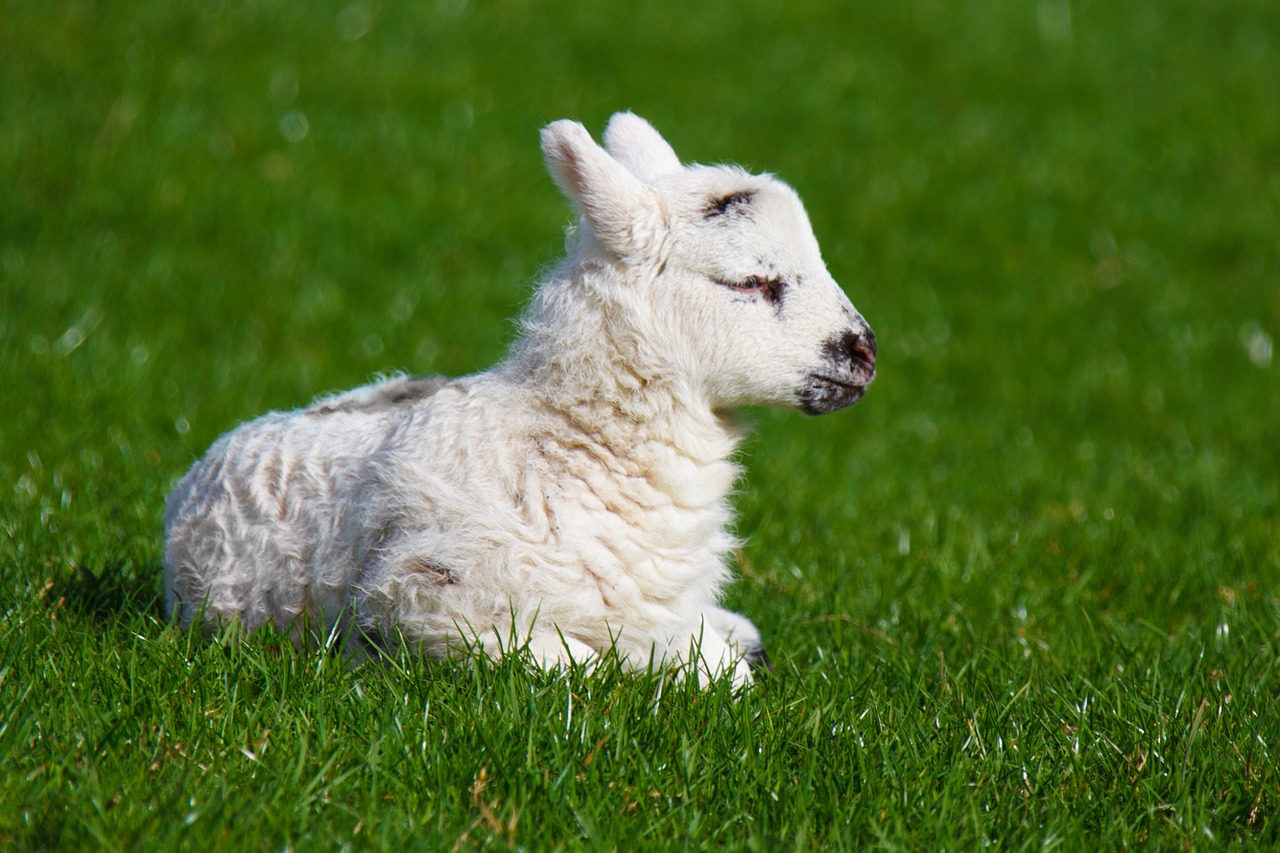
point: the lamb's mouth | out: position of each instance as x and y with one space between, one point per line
823 393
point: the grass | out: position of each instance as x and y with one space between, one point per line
1026 594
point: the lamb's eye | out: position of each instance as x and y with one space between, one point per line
769 287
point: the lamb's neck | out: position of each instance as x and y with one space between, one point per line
608 384
625 411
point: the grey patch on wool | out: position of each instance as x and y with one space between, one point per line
398 395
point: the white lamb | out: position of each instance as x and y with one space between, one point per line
574 498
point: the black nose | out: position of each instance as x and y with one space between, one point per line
857 350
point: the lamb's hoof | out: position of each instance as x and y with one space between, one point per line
758 660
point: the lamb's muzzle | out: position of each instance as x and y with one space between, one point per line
849 366
575 497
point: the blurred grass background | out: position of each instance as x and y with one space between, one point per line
1061 218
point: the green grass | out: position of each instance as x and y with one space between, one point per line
1027 593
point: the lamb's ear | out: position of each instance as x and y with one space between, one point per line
623 212
635 144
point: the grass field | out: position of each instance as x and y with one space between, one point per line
1027 593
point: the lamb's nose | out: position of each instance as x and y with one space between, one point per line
860 348
853 351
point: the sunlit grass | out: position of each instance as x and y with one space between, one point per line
1027 592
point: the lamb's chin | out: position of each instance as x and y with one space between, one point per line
822 395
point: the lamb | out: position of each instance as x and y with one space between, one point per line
574 498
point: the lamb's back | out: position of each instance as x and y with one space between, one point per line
261 528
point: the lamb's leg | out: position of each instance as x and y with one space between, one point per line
715 657
553 650
548 648
740 633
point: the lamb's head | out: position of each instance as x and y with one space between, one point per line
716 271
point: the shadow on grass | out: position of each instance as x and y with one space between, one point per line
119 588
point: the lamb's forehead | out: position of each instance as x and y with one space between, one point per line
726 212
704 191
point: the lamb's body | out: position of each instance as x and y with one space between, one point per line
439 514
574 498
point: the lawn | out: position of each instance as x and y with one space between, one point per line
1026 593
